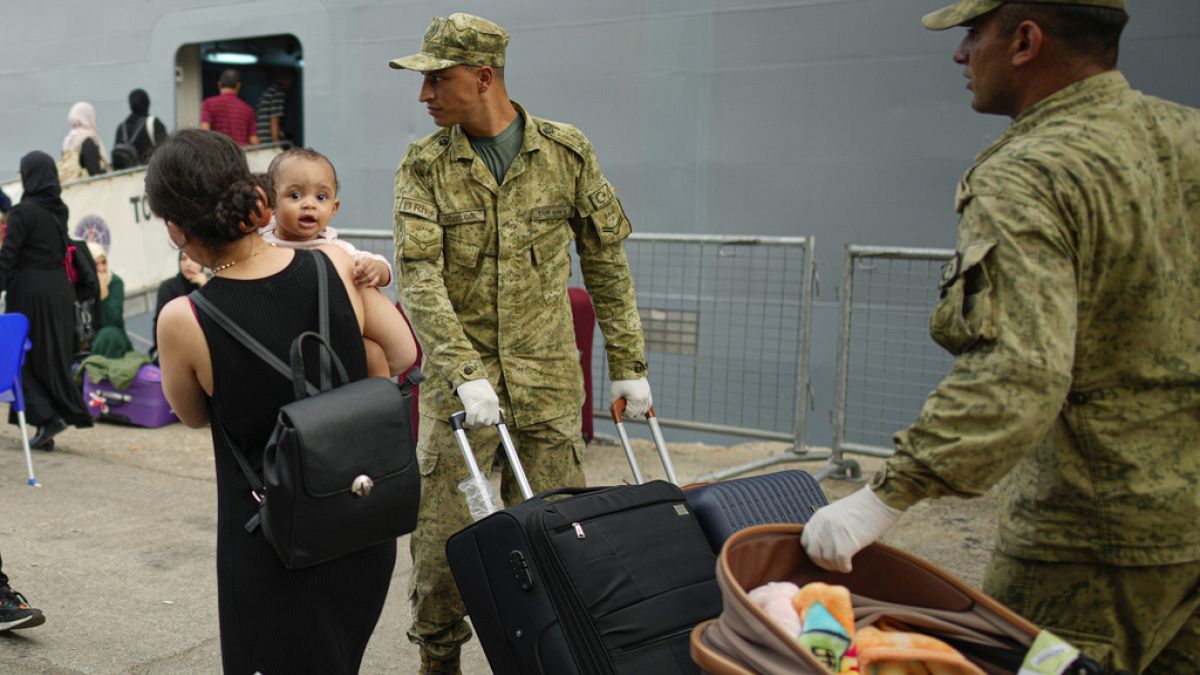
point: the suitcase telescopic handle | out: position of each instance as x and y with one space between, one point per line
618 415
458 423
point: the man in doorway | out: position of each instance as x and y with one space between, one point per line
486 209
271 106
1073 306
229 114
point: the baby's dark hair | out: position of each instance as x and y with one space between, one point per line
272 176
199 180
264 181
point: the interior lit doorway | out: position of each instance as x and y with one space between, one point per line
259 62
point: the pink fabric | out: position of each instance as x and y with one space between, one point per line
416 412
328 236
229 115
82 119
584 316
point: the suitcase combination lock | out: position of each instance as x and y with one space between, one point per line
520 570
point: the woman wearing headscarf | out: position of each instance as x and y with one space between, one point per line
191 277
137 129
111 339
32 272
82 151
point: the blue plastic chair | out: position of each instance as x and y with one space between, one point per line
14 343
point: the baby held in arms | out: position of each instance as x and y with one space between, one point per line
303 187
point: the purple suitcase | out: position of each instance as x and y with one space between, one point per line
142 404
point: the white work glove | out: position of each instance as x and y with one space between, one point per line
480 402
636 394
836 532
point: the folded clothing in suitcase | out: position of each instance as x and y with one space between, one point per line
886 584
587 580
781 497
142 404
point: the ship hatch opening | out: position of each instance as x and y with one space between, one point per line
259 61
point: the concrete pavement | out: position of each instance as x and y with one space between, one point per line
118 548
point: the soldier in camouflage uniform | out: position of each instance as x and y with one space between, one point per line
1073 306
486 209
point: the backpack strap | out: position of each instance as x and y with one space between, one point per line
257 489
246 339
149 127
126 138
323 322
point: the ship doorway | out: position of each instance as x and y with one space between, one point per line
259 61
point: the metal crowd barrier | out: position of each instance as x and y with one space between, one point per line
887 363
727 323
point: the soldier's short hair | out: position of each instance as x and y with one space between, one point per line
1092 33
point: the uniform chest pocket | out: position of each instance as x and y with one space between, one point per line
462 238
464 229
551 258
461 254
965 314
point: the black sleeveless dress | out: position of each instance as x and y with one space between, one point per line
315 620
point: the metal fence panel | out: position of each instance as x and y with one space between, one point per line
887 363
726 321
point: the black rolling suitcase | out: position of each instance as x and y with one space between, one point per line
725 507
585 580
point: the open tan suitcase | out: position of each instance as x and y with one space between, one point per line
885 582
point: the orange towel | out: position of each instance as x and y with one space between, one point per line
899 653
835 598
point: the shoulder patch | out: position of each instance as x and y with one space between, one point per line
564 134
418 208
428 148
601 195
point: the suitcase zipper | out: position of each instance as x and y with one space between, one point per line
578 531
657 640
576 617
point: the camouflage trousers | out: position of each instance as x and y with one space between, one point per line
552 454
1140 619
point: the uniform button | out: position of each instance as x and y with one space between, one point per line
639 367
469 369
444 140
547 129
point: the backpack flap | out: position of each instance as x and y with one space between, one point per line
362 428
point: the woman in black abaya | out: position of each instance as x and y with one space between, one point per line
31 270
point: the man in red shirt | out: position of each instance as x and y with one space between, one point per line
229 114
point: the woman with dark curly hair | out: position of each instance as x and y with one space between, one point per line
273 620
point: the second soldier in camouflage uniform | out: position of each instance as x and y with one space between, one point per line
482 250
1073 304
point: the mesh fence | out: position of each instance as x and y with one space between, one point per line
726 322
887 363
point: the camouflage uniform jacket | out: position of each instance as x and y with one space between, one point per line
1073 303
484 268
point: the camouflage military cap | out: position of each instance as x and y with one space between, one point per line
965 10
460 39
